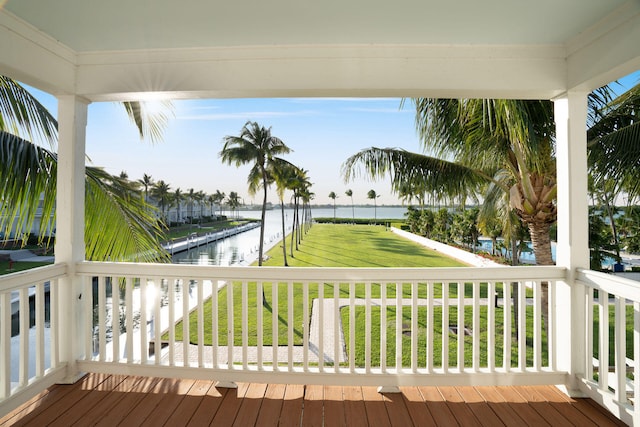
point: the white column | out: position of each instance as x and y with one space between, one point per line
572 251
70 249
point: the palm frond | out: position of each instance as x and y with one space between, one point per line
23 115
118 224
124 227
28 176
150 122
409 169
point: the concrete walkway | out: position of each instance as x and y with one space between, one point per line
297 355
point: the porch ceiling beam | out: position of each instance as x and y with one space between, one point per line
607 51
33 58
335 70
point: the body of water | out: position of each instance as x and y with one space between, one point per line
243 248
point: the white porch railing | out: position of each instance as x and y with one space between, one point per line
612 359
29 326
344 331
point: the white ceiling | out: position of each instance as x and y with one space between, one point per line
92 25
125 49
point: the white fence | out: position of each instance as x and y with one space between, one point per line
29 333
612 343
385 327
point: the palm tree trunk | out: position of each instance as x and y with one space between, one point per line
542 250
284 240
293 224
264 212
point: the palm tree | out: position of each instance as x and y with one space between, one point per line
190 198
177 198
219 198
349 193
233 200
333 196
284 175
505 142
613 140
371 194
117 227
147 183
160 191
211 199
256 145
508 143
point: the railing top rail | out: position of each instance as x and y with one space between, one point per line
615 285
20 279
310 274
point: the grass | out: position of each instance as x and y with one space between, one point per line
329 245
326 245
19 266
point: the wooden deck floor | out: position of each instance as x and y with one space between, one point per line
111 400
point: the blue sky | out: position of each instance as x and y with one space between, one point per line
322 132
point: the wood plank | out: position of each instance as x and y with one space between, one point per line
250 406
464 415
98 412
55 397
73 399
169 402
437 406
612 418
397 410
191 401
479 407
124 403
507 411
334 406
377 414
209 406
355 413
269 414
568 407
313 403
226 414
151 400
417 408
291 414
548 412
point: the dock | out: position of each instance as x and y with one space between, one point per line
195 240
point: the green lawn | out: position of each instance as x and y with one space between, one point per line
349 246
19 266
329 245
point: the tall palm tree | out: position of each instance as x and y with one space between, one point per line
211 200
147 183
219 198
190 198
505 142
255 145
177 198
613 140
333 196
160 191
284 175
349 193
371 194
300 185
508 143
117 227
233 200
